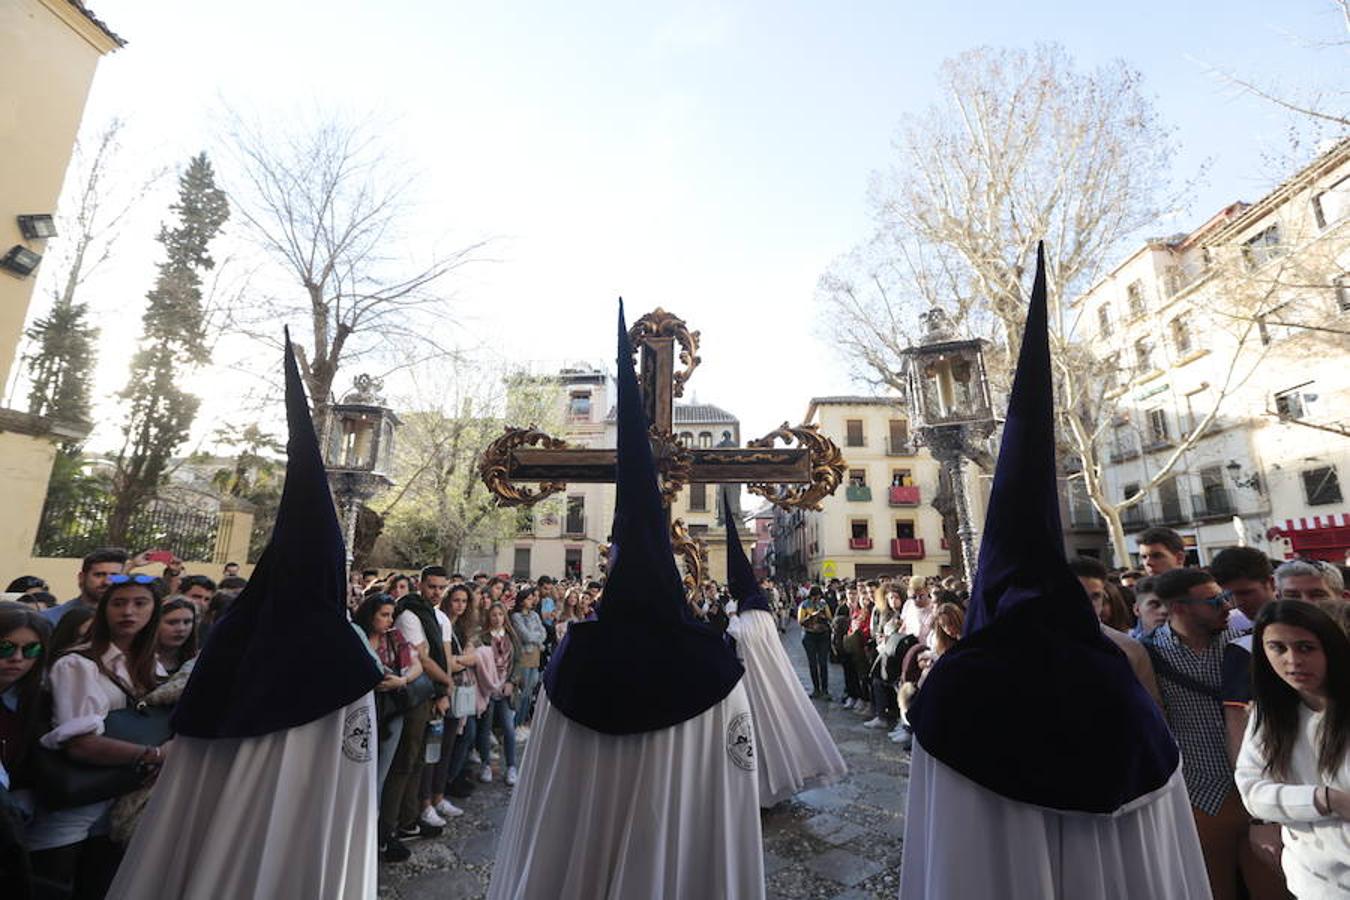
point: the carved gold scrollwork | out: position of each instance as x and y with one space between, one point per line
827 468
660 323
679 463
695 553
495 466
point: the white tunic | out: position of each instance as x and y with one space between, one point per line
796 751
964 841
288 814
670 814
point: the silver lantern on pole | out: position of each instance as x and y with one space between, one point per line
359 451
949 404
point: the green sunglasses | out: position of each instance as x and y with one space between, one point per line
27 651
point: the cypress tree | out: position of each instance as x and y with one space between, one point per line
173 339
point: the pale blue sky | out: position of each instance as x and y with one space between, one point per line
710 158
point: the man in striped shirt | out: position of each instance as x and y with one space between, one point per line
1187 655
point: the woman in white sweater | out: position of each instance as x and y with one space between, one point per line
1294 765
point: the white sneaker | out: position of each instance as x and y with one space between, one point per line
448 810
486 775
430 817
511 776
875 722
522 734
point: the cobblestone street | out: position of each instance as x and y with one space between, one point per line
840 842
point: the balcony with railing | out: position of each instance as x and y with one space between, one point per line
1134 518
860 543
858 492
903 495
907 548
904 447
1086 519
1214 503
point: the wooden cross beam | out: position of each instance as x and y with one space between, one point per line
788 477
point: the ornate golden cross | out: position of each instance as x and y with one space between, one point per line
789 477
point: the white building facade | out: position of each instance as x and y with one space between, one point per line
1237 332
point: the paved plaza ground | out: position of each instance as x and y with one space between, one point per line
840 842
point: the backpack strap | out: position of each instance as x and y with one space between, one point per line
1166 670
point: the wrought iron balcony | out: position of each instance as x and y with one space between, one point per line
858 492
1214 503
900 448
860 543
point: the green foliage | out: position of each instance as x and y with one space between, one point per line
256 476
441 505
173 333
61 370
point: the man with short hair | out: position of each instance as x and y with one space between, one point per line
1149 611
401 802
95 570
369 577
1161 550
1130 577
231 570
1310 580
456 578
1091 575
1188 654
548 592
199 589
1244 574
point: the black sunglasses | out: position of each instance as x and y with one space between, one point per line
27 651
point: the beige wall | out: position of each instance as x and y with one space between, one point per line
48 53
25 465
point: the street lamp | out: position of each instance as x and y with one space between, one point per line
359 450
949 404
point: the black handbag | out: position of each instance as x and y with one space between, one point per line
62 782
420 690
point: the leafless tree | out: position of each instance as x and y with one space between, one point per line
1315 111
1022 147
327 204
440 504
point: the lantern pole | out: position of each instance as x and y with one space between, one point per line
950 422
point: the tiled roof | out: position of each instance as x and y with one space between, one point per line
857 400
695 414
89 14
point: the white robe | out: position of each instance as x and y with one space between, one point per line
964 841
796 751
288 814
670 814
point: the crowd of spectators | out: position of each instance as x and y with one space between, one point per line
1248 658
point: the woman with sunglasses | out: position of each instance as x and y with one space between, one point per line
70 846
1294 765
24 639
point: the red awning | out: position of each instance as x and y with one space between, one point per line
1319 537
